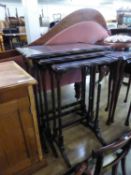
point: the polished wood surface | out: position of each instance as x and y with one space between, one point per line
73 18
20 147
43 51
13 75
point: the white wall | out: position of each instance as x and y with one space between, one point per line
109 11
12 7
31 19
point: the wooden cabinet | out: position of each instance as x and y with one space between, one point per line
20 148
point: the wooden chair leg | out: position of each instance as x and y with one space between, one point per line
123 166
128 87
114 169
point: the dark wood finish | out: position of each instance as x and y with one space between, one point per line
68 57
77 87
117 77
64 50
128 116
115 81
78 64
61 68
128 87
127 71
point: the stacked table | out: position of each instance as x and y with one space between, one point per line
59 59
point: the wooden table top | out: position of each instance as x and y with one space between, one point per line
98 60
12 75
125 55
37 52
50 51
103 60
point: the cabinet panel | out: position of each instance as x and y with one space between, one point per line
17 140
28 127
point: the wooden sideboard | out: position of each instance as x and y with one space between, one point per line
20 147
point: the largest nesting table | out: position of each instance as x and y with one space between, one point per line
58 59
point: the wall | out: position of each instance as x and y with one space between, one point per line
108 10
12 7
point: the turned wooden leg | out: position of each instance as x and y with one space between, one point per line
119 81
112 84
128 116
109 92
83 90
60 130
91 92
77 87
111 101
128 87
119 69
53 103
123 166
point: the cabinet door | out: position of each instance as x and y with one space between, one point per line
18 148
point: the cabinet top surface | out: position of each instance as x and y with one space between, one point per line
12 75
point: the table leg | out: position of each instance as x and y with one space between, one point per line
83 90
77 87
128 87
114 73
118 86
39 103
93 123
128 116
60 131
42 81
91 93
109 91
98 98
96 127
53 103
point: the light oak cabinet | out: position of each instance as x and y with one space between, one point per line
20 148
